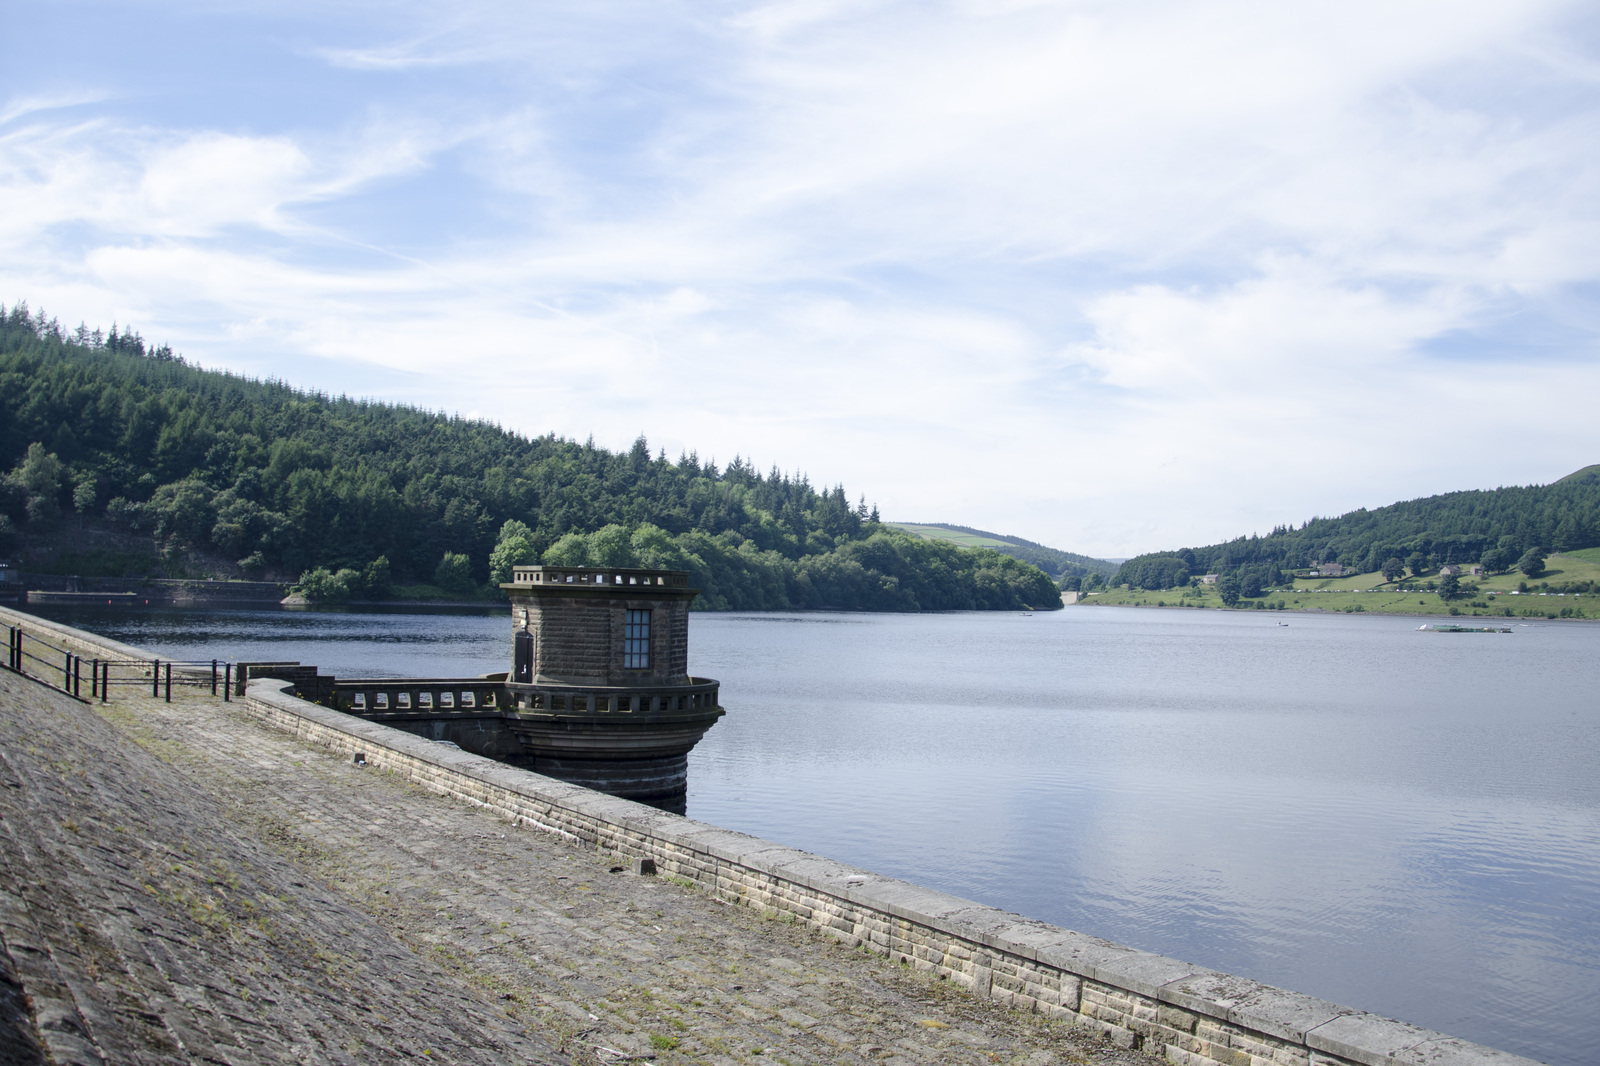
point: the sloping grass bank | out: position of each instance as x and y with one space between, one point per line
1496 597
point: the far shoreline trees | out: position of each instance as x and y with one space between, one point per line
261 479
1498 529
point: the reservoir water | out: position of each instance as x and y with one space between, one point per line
1399 821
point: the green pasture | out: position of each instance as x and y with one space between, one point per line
965 540
1583 565
1370 594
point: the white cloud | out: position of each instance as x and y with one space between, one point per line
209 182
1110 276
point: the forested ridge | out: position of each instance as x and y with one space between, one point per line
355 496
1492 527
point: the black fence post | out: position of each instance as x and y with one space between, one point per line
77 676
227 682
155 679
66 673
169 682
213 677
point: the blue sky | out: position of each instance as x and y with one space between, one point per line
1110 276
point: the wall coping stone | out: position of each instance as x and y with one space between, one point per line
1145 973
1247 1002
575 812
1367 1038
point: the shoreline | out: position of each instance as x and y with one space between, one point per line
1463 617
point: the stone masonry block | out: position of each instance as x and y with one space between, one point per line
1451 1051
1175 1018
1251 1004
1367 1038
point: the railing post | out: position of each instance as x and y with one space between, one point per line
105 679
169 682
77 676
213 677
155 679
66 673
227 682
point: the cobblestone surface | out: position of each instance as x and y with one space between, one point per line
148 923
375 915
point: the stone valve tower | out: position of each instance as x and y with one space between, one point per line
599 692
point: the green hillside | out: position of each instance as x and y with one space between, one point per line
162 464
1064 565
1494 528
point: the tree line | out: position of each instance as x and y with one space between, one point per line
1500 529
355 496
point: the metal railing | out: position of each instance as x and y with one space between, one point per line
62 668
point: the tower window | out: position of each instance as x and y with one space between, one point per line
636 641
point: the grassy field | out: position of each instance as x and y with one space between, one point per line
965 540
1369 593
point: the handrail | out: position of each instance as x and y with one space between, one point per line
59 667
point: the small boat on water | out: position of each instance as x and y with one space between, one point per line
1447 628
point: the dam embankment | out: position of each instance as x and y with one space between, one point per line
1082 984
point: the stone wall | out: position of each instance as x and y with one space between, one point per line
572 642
578 639
1192 1015
183 592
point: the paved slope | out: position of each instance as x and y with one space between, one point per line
146 929
474 928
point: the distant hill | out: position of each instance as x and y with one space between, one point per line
1494 526
1052 561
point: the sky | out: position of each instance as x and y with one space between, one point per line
1115 277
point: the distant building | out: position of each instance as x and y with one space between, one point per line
1208 579
1476 571
1333 570
1448 569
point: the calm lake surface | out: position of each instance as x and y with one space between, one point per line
1399 821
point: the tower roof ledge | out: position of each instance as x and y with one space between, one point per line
595 576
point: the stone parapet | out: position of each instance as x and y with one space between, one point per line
1193 1015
